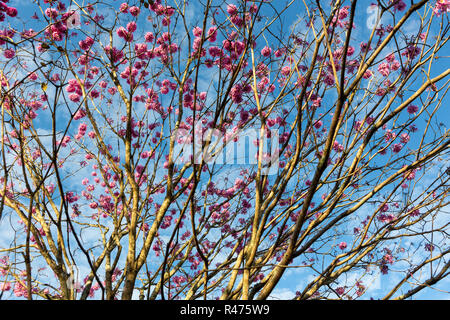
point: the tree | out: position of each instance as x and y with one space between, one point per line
203 150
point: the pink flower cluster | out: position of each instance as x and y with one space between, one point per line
9 53
212 34
266 51
134 11
127 34
74 88
114 54
342 245
442 6
86 44
71 197
63 142
236 93
58 28
384 69
338 147
412 109
81 113
411 52
399 5
6 33
10 11
81 131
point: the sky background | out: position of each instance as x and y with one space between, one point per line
294 279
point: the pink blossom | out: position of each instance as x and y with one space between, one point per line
404 137
149 37
278 53
410 175
285 70
390 58
123 8
364 47
86 44
12 12
74 97
399 5
414 212
395 65
368 74
114 54
202 95
340 291
197 32
212 34
51 13
412 109
343 13
131 26
350 51
411 52
33 76
121 32
358 125
338 147
317 124
383 68
342 245
442 6
5 286
389 135
134 11
266 51
232 9
397 147
79 114
236 93
9 53
329 79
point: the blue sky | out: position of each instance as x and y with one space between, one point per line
294 278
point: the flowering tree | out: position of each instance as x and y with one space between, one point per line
211 150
